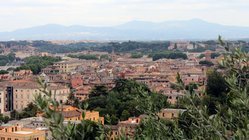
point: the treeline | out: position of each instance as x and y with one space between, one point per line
5 59
119 47
66 48
84 56
36 63
131 46
168 55
203 49
136 55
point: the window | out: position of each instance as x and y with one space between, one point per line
163 114
2 138
8 138
173 115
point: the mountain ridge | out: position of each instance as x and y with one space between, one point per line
133 30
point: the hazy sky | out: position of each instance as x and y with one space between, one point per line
16 14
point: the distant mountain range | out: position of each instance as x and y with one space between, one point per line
194 29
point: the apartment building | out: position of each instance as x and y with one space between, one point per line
68 66
19 93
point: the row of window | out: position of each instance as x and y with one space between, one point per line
20 90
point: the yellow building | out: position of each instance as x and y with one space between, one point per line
71 113
19 133
169 113
74 114
68 66
94 116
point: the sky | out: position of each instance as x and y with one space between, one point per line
18 14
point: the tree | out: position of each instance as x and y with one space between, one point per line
98 90
125 98
4 119
201 56
169 55
125 115
206 63
29 111
216 83
136 55
3 72
36 63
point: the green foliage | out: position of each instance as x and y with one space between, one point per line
206 63
98 90
214 55
105 57
36 63
29 111
133 46
216 84
124 100
4 119
5 59
136 55
169 55
72 100
3 72
201 56
203 49
153 128
46 46
85 56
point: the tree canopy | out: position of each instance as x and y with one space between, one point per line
123 100
36 63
